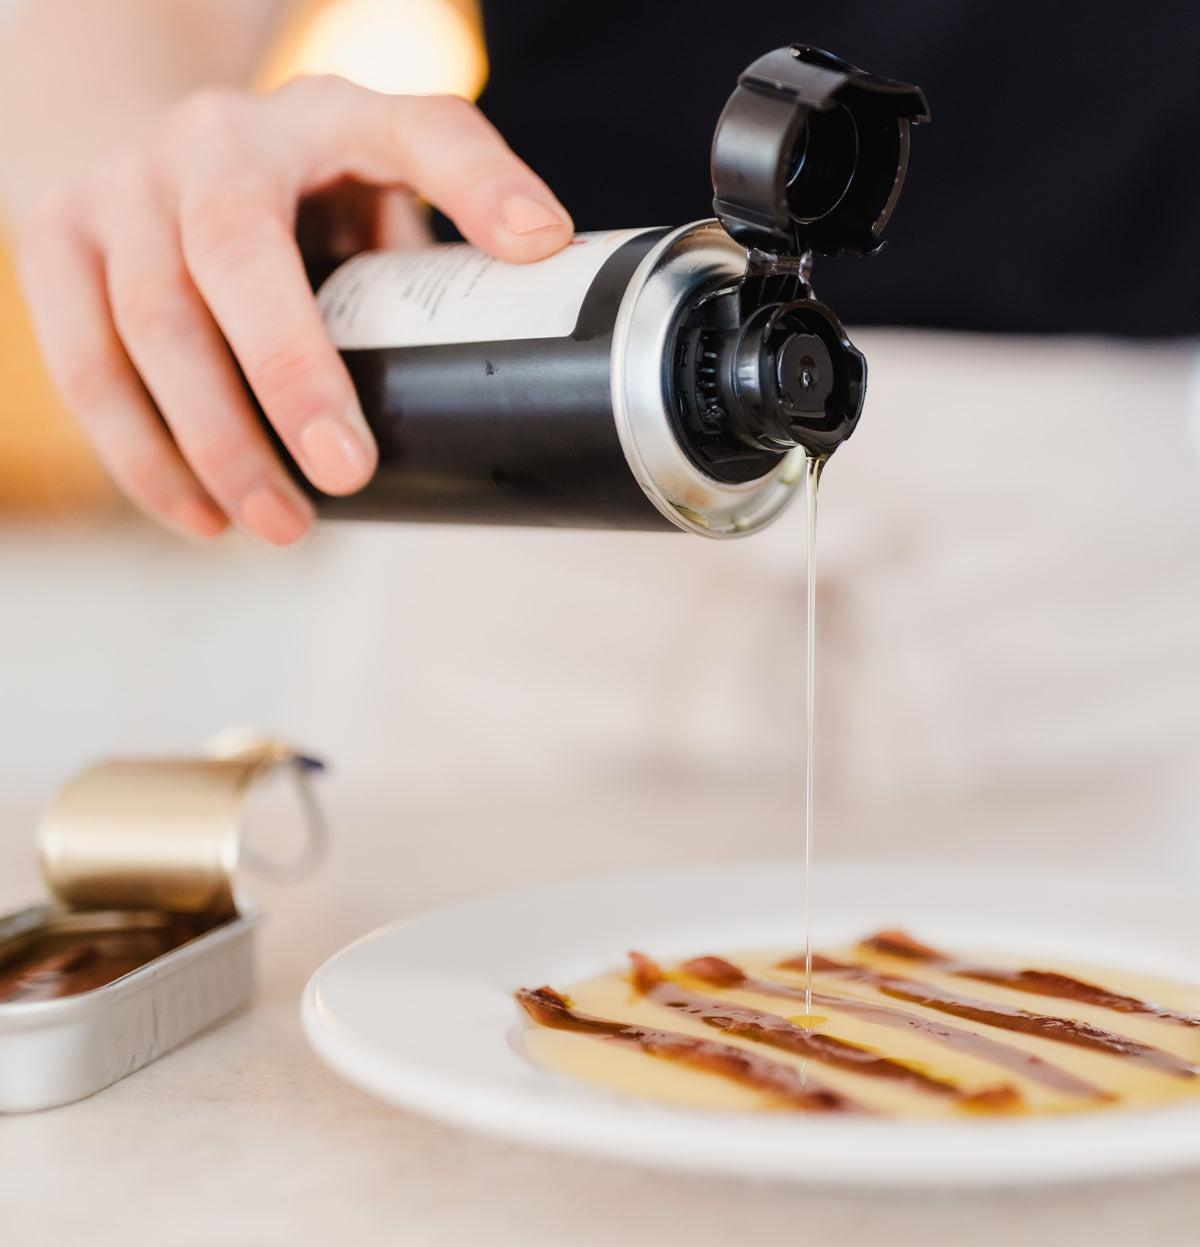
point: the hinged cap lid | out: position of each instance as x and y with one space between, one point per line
810 153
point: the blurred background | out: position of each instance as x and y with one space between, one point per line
1009 661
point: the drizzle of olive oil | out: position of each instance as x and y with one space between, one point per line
813 466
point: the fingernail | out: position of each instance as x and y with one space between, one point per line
273 517
338 459
200 518
523 215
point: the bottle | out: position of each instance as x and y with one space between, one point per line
639 379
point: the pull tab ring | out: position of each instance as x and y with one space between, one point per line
243 744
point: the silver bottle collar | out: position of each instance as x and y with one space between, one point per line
690 259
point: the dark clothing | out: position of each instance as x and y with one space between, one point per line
1057 189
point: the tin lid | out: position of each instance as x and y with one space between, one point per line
166 833
810 154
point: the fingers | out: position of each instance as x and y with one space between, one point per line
163 273
349 217
235 227
402 222
237 191
440 146
63 280
186 367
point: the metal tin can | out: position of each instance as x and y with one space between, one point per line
54 1051
146 942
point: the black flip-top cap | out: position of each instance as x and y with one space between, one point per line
810 153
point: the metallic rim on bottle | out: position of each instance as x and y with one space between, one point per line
696 256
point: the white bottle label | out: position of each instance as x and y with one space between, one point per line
455 293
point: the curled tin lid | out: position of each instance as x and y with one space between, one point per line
166 833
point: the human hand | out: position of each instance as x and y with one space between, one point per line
151 274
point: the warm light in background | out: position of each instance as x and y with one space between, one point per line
412 47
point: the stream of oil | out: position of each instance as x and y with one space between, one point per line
904 1009
977 1061
813 467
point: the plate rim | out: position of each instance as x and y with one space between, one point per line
513 1114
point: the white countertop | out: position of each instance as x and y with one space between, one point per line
243 1137
1012 648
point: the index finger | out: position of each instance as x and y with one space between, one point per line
440 146
236 208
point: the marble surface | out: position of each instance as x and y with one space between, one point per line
1009 671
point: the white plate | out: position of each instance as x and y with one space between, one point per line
420 1013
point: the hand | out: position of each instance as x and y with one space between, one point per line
151 275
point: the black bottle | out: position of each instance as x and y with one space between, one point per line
639 379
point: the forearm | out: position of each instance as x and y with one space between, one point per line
80 78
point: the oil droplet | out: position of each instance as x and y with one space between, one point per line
810 1021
